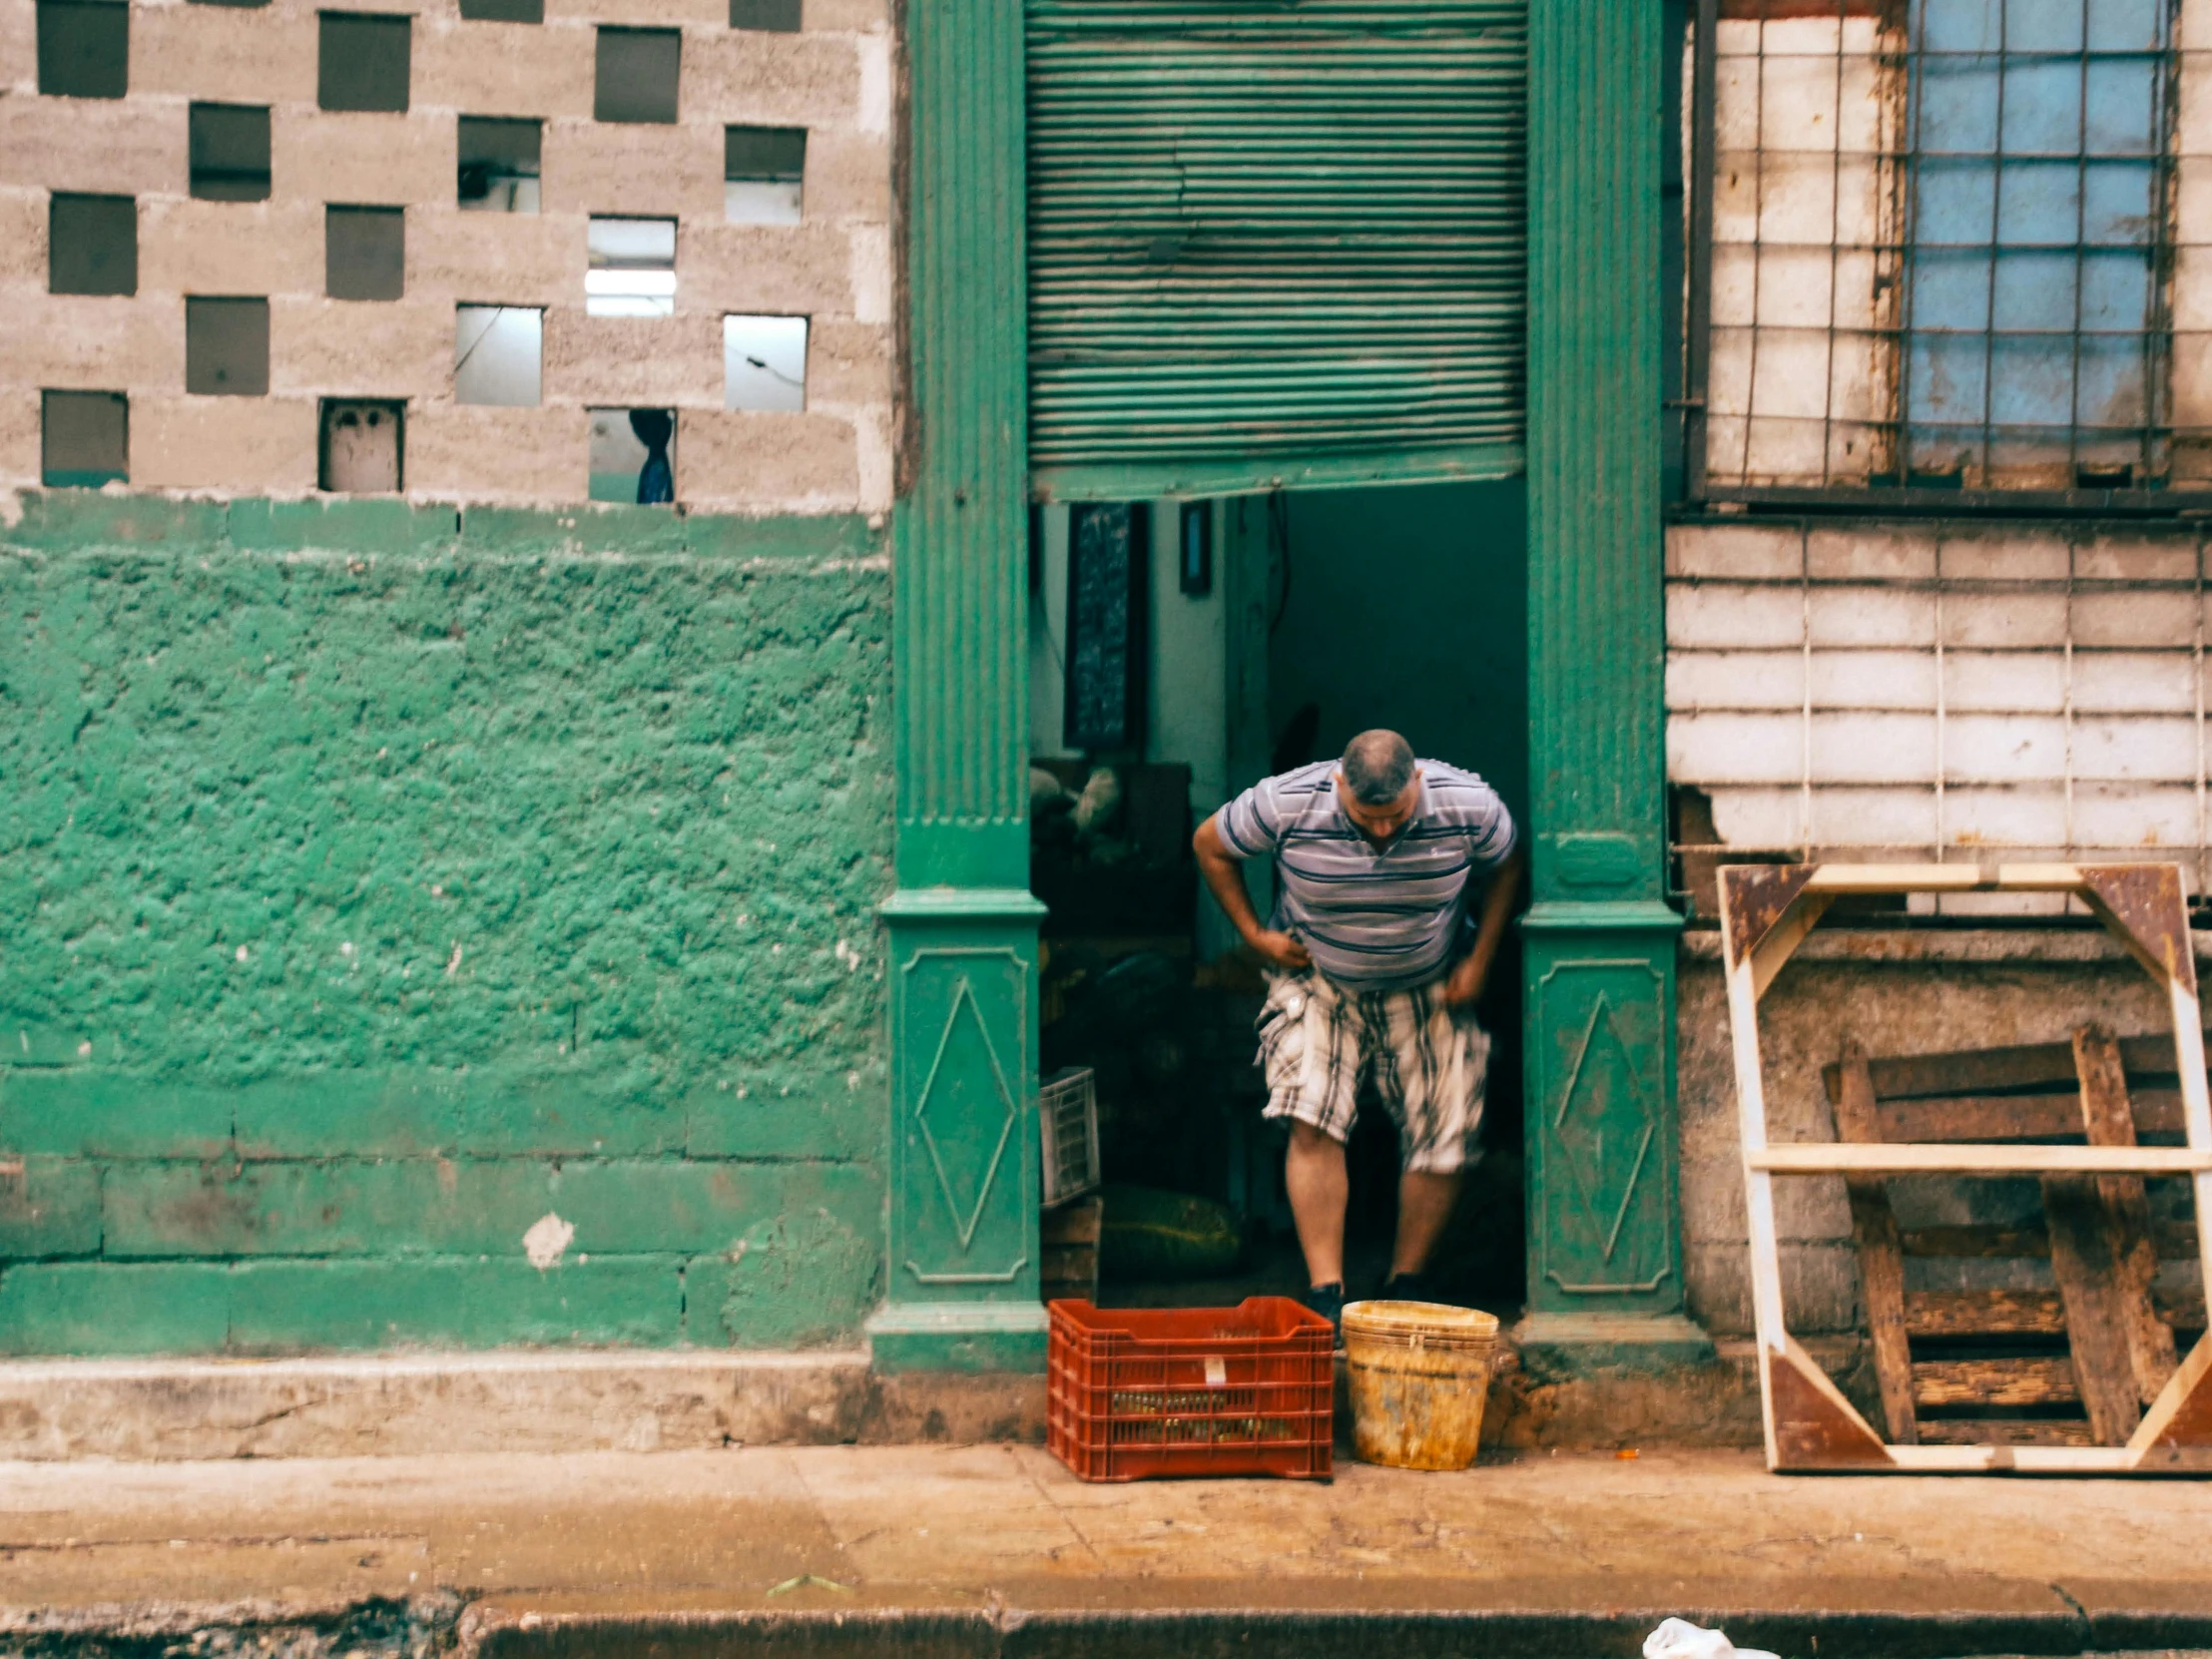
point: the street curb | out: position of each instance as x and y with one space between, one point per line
1241 1633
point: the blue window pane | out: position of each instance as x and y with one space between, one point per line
2032 380
1957 24
2042 107
2123 106
2127 25
2040 203
2035 290
1959 107
1941 449
1949 379
2111 394
2115 291
1951 292
2119 205
2044 26
2013 341
1956 204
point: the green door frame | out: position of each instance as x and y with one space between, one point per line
1605 1258
1605 1255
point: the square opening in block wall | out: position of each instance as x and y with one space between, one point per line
499 164
84 439
780 17
764 363
92 245
230 152
633 268
362 446
364 252
633 455
84 48
503 11
637 75
362 62
498 355
764 173
226 347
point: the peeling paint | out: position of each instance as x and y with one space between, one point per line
547 1240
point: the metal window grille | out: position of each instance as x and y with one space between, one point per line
1935 253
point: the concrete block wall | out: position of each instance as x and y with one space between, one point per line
438 928
834 78
1942 689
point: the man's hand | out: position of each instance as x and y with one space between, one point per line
1281 950
1226 882
1466 981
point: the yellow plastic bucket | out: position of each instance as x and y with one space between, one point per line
1419 1373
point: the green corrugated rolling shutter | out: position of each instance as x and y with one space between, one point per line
1275 242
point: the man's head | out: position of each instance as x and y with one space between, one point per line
1376 783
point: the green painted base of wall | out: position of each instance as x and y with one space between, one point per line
377 880
1604 1238
1560 1346
959 1335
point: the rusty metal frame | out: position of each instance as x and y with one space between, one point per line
1766 912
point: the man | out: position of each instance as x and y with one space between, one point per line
1372 975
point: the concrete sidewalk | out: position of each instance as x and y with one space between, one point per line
998 1549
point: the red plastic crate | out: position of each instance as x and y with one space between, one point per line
1137 1392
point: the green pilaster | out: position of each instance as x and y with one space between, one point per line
1605 1257
962 1285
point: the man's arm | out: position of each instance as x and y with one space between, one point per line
1225 881
1473 973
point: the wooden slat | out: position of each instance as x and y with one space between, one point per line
1976 1071
2176 1241
2083 1261
2182 1307
2016 1117
1977 1241
2109 1119
1873 1226
1878 879
2028 1312
2028 1382
1813 1158
2149 1060
2004 1431
1984 1314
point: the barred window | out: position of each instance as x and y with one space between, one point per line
1947 249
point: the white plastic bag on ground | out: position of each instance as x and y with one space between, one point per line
1680 1639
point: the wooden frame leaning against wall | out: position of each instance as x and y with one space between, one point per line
1766 912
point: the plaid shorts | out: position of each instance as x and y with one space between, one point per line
1319 1042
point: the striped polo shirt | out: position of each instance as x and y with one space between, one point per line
1374 919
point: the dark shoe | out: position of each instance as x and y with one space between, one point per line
1328 1302
1415 1287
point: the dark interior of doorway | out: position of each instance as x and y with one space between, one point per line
1401 607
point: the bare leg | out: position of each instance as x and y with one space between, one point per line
1424 1204
1314 1171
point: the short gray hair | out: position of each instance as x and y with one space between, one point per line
1377 766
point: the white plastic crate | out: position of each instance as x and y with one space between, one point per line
1067 1110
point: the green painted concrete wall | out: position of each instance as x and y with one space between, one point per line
377 880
